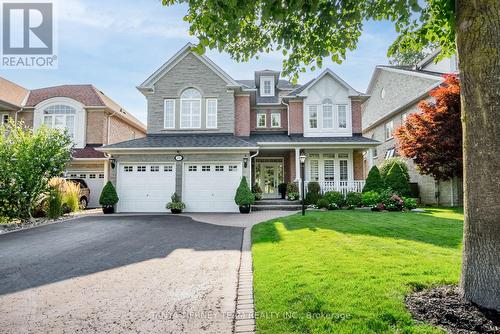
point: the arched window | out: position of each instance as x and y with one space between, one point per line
327 114
191 108
60 116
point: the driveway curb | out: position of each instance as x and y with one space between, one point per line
244 319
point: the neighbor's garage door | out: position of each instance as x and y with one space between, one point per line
210 187
145 187
95 182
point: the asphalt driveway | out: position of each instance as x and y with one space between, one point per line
141 274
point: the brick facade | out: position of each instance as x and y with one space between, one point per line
268 112
96 126
356 117
296 117
242 115
357 160
121 131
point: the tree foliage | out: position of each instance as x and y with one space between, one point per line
387 164
408 57
433 137
306 32
28 160
397 180
374 181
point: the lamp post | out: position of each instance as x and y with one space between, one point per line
302 172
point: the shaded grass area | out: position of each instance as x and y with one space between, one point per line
348 271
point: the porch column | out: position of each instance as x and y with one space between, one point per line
297 163
106 171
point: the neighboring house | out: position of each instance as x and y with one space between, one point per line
91 118
395 92
206 130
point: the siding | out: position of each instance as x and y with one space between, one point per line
399 90
191 72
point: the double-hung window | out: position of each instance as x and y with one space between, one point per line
169 114
211 113
275 120
266 86
342 116
313 116
313 167
389 129
329 167
61 117
261 120
327 114
191 109
343 169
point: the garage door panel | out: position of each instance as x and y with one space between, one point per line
212 189
142 188
95 182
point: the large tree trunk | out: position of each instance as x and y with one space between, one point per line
478 44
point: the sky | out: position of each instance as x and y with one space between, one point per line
116 44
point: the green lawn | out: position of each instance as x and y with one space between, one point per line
348 271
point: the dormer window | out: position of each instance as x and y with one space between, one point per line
267 86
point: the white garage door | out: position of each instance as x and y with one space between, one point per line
210 187
145 187
95 182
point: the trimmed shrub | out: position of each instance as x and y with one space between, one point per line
409 203
313 187
54 202
323 204
386 166
397 180
370 198
374 181
292 192
175 203
335 198
108 196
243 194
353 199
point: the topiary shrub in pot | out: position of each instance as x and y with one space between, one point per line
108 198
175 205
244 197
282 190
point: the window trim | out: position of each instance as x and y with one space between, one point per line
323 116
338 116
279 120
191 101
53 118
2 115
309 116
391 135
270 79
216 112
165 113
259 114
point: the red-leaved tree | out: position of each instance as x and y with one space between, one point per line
432 138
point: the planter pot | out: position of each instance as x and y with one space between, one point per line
283 195
108 209
244 208
176 211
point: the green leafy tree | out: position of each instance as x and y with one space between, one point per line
386 166
108 196
397 180
28 160
374 181
244 195
306 32
409 57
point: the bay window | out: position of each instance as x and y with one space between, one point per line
191 108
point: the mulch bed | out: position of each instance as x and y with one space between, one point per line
444 307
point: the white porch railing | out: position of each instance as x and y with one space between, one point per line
343 187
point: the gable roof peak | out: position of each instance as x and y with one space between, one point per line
148 84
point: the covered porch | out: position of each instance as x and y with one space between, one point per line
335 169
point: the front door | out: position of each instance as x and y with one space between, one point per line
269 175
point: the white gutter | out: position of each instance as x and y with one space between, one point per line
105 149
251 157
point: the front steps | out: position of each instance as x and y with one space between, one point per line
276 204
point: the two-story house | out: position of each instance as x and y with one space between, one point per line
206 130
90 117
395 92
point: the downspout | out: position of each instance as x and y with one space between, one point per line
15 115
250 164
